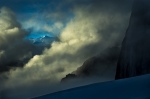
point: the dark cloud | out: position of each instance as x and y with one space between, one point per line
11 39
15 51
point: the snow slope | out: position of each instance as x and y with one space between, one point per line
129 88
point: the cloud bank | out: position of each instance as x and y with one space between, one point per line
94 28
13 47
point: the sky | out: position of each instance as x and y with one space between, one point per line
85 28
33 15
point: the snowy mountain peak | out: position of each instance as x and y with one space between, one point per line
43 40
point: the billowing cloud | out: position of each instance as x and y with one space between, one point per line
15 50
12 46
94 28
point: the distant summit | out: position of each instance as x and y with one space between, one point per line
43 40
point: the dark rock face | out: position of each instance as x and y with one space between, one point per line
68 77
102 66
134 58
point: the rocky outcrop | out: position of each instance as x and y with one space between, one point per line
68 77
134 58
102 66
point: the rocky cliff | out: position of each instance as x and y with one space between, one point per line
134 58
102 66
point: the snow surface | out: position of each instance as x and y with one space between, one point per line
129 88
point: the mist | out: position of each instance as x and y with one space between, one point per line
95 27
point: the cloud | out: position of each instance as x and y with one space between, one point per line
49 17
36 24
14 49
93 29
